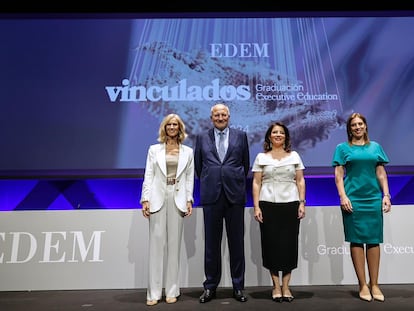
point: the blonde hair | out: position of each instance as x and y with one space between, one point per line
162 133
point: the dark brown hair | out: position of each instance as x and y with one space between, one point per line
267 145
349 130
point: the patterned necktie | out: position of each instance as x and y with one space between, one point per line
221 148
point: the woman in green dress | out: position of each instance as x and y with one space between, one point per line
362 184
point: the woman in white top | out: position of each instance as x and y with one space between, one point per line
279 205
167 197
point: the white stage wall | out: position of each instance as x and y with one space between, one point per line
107 249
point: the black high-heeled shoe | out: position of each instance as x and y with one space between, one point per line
288 298
277 298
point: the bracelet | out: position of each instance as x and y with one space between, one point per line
302 201
387 195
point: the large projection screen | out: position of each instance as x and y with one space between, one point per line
88 93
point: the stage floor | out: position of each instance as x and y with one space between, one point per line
398 297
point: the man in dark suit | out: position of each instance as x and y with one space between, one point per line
222 196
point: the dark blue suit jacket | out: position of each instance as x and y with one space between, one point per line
231 174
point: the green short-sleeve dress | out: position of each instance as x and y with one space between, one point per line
365 223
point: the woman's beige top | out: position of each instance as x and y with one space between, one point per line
172 163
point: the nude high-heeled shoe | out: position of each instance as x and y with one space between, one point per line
364 294
170 299
366 297
152 302
377 294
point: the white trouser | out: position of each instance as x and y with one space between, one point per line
165 236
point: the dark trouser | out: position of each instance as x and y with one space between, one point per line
213 226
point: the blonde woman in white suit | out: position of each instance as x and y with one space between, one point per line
167 197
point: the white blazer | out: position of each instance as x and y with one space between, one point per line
154 186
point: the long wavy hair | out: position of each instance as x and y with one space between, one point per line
267 145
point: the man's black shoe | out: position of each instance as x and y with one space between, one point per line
239 296
207 295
